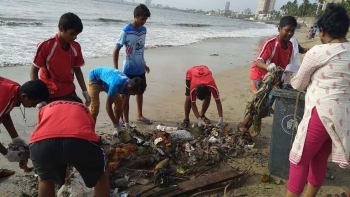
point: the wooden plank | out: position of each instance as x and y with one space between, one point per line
198 183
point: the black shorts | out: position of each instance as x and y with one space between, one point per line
143 76
61 98
52 156
188 84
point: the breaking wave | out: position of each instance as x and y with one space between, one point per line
19 22
192 25
109 20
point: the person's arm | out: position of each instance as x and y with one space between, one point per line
109 110
80 78
301 49
219 107
195 109
34 73
116 56
261 64
303 77
8 124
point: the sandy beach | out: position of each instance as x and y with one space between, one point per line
164 100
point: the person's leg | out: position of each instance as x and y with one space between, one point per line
187 107
78 153
316 143
118 102
139 102
46 188
318 165
102 187
94 92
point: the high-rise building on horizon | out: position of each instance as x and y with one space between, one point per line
265 6
227 6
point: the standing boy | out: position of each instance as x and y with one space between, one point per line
113 82
200 84
133 36
273 52
13 95
61 139
59 58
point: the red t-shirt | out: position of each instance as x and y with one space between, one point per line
60 64
64 119
8 96
201 75
271 51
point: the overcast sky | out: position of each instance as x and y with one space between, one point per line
236 5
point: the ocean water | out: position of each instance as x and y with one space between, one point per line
25 23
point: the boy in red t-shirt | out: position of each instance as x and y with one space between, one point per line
200 84
13 95
59 58
61 139
274 52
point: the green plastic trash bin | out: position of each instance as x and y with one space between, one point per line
282 130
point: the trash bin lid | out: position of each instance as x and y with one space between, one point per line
292 94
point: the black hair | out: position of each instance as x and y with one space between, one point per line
73 98
35 90
142 10
137 84
71 21
202 91
288 20
335 21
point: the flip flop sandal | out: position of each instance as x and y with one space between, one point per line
185 123
146 121
206 120
122 123
5 173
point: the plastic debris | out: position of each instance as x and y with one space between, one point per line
167 129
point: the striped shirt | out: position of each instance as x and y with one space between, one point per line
271 51
8 96
51 57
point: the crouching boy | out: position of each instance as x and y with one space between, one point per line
65 136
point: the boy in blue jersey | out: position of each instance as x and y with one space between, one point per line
113 82
133 36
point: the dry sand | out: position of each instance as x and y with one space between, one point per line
164 99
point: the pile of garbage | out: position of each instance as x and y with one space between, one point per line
140 162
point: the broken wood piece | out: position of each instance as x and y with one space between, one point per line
198 183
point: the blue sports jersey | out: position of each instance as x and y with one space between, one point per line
134 41
111 79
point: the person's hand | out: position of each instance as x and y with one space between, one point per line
116 130
13 156
200 122
220 122
147 69
87 98
40 105
127 127
271 67
18 140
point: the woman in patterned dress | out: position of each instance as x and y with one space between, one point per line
324 129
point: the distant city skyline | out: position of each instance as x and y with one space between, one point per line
207 5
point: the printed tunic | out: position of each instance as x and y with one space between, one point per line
325 72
